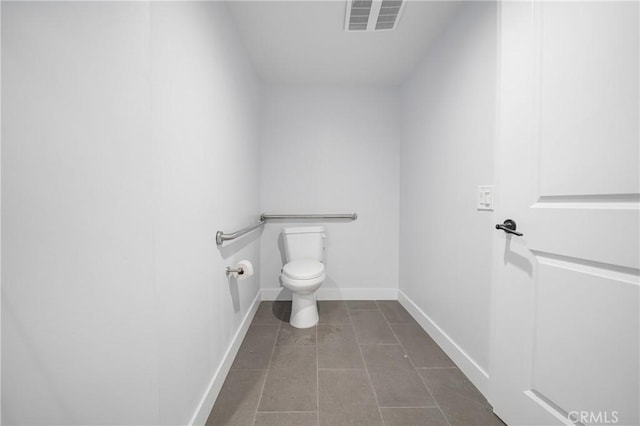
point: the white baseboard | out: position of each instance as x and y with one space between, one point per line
478 376
336 294
201 414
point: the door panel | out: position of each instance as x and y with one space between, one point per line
582 326
588 98
567 294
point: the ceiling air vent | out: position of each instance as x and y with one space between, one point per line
373 15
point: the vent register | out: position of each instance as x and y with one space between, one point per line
373 15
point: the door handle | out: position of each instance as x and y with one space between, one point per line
509 226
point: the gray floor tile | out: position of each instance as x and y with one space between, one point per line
346 398
431 416
333 312
286 419
257 346
291 336
338 347
461 402
290 389
421 348
384 357
272 312
238 399
291 382
396 382
294 357
282 362
362 305
371 328
394 312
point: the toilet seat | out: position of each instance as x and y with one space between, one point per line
303 278
303 269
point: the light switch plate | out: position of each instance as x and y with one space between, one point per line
485 197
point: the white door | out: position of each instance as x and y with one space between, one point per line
566 299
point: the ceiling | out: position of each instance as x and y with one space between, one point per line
305 41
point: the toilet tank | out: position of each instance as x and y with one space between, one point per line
304 242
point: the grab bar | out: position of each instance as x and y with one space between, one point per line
352 216
221 237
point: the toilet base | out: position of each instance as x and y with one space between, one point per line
304 310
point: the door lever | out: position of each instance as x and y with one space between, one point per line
509 226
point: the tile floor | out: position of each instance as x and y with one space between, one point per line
365 363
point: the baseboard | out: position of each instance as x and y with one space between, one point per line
201 414
478 376
337 294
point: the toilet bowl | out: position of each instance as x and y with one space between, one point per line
303 278
304 272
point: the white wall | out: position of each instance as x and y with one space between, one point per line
204 121
334 149
121 126
448 110
78 325
115 305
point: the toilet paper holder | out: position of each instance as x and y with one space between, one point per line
239 271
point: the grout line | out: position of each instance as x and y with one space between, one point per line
380 344
377 307
366 369
360 310
295 346
249 369
266 376
416 371
340 368
287 412
380 309
421 406
436 368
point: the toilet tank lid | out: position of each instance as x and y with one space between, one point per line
304 230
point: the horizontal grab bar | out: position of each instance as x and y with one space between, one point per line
221 237
352 216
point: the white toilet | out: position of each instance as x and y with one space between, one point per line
303 273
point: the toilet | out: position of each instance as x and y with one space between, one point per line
303 273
